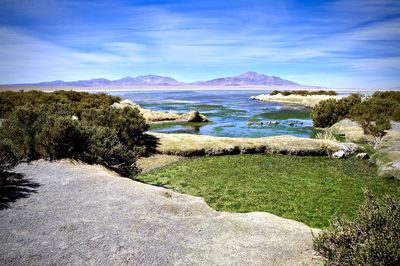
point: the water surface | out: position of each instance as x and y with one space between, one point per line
231 112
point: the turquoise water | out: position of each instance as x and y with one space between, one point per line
231 112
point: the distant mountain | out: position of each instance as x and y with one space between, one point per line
139 80
248 78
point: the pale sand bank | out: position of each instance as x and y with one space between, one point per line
308 101
198 145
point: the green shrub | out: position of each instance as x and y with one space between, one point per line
20 129
7 157
128 123
325 113
106 148
373 238
100 134
303 92
328 112
61 137
78 101
374 114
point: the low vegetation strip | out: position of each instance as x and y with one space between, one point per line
198 145
311 190
303 92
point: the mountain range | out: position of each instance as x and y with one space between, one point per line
247 78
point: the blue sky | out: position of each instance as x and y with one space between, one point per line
337 44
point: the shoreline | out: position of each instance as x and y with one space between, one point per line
135 88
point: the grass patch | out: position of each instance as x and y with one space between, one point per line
311 190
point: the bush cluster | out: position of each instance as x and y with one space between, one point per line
373 238
303 92
78 101
328 112
373 113
81 126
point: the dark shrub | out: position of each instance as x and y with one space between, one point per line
325 113
373 238
328 112
78 101
303 92
106 148
99 134
20 129
7 157
374 114
128 123
60 137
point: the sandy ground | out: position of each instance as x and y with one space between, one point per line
86 215
309 100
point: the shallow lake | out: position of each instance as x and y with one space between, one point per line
229 111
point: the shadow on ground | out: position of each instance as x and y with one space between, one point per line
14 186
151 143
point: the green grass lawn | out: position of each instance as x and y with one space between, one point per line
311 190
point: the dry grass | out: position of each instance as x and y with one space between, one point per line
147 164
309 100
326 135
197 145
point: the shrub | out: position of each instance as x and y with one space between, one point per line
374 114
105 135
328 112
78 101
373 238
303 92
7 157
61 137
325 113
106 148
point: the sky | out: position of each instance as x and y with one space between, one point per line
338 44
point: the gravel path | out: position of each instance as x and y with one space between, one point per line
87 215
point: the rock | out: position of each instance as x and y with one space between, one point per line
74 117
351 130
195 116
291 124
348 148
150 225
338 154
362 155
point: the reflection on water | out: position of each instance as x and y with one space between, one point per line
233 113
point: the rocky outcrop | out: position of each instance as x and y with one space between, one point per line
387 155
345 149
82 214
351 130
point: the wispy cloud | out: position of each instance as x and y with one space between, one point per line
202 39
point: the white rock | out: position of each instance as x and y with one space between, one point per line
338 154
